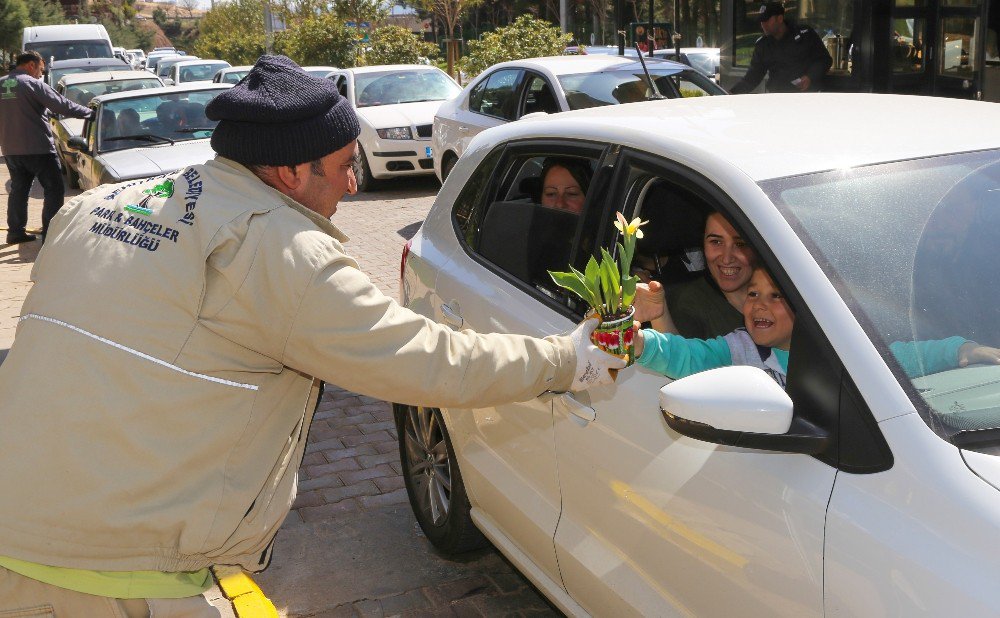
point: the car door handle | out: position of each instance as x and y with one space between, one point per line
567 403
452 317
463 128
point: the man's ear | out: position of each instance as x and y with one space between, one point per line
291 176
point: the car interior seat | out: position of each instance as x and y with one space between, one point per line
542 101
128 122
673 236
109 124
527 239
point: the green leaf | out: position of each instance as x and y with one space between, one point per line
628 290
593 286
572 282
611 279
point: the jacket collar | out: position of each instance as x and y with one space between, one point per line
321 222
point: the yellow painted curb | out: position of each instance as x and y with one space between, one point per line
246 596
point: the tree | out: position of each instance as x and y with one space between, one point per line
232 30
397 45
322 39
527 37
45 12
449 13
189 6
160 16
13 20
358 11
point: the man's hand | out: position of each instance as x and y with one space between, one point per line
649 301
803 83
592 363
972 354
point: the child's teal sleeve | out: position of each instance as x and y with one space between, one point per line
921 358
677 357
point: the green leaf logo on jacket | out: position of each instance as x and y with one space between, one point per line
8 86
165 189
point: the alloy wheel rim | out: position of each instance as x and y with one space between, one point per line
429 466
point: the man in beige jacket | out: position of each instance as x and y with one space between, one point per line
188 321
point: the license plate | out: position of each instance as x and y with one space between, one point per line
428 152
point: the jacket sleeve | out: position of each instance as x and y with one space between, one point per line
754 74
678 357
347 332
821 59
921 358
57 103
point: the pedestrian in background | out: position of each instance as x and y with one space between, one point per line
188 322
793 57
27 145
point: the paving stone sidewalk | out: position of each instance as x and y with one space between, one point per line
350 546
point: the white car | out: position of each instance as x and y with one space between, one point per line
510 90
190 71
395 106
145 133
138 58
873 494
82 88
232 75
318 70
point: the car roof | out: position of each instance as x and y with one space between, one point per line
570 65
387 68
779 135
104 76
86 62
240 67
194 61
188 87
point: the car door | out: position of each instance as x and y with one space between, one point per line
492 102
655 523
496 282
86 165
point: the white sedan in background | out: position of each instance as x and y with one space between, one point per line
509 90
869 486
232 75
198 70
396 106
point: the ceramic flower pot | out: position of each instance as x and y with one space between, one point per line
614 336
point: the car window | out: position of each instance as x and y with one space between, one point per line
630 86
507 220
538 96
910 246
155 120
198 72
233 77
395 87
498 97
83 93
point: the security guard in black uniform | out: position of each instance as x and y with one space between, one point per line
794 57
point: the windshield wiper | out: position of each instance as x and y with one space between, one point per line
143 137
654 91
194 129
976 438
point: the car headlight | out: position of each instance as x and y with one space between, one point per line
395 133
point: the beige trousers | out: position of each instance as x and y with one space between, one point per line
23 597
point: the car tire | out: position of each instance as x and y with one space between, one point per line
447 165
433 481
363 172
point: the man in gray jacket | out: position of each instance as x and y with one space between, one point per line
26 142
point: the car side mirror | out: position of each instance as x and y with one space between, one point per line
167 81
78 143
738 406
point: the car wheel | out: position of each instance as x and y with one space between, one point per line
433 481
447 165
363 172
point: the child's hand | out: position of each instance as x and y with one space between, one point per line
972 353
649 302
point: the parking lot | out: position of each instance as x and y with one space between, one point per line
350 546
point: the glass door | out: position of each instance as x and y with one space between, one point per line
957 63
909 45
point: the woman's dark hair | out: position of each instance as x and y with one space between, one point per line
579 169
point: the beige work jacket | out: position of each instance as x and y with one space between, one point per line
155 403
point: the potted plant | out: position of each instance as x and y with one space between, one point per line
608 287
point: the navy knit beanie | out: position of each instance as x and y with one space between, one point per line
280 115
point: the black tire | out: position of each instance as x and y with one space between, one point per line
447 165
434 482
363 172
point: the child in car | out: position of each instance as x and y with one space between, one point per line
764 341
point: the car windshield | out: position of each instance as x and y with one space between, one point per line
585 90
200 72
71 50
83 93
389 88
232 77
155 119
911 248
704 63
